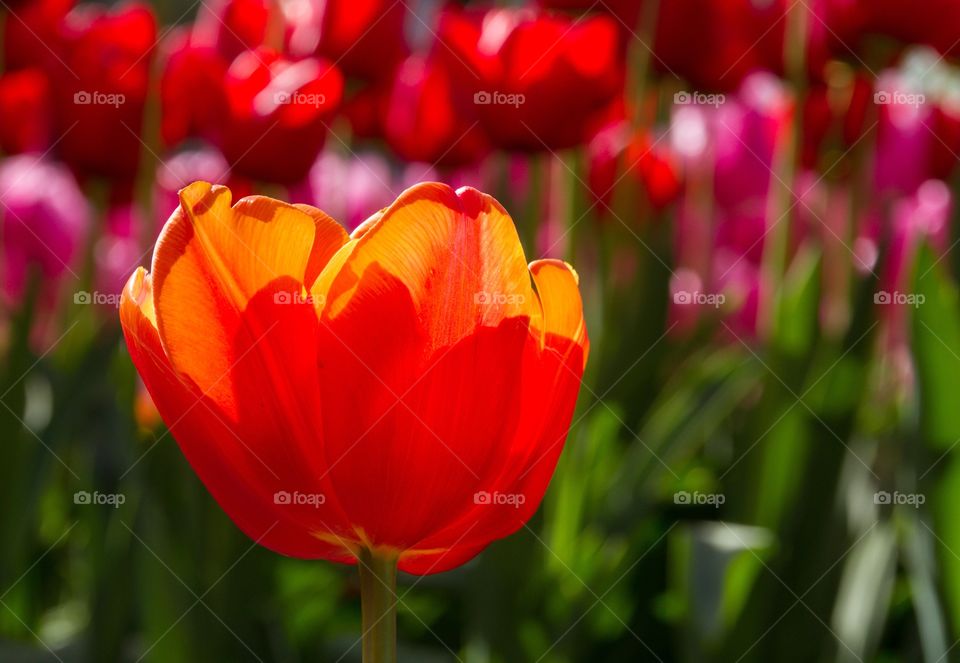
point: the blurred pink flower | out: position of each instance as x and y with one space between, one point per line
922 216
730 149
44 217
348 187
904 138
118 249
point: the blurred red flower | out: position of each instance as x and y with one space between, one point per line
714 44
621 157
32 33
234 26
406 389
424 119
366 38
277 114
24 111
537 81
626 11
101 88
836 117
932 22
649 161
192 96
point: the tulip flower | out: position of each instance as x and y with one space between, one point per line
25 118
32 33
905 142
364 37
102 83
537 81
193 100
626 11
837 113
234 26
424 120
277 116
646 161
717 43
723 224
363 110
44 219
398 396
933 23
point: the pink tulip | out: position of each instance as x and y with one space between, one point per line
44 217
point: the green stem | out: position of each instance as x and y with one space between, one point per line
378 600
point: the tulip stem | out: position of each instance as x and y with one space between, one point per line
378 600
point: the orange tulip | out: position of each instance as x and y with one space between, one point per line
401 393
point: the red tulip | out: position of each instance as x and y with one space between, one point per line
538 81
364 110
424 120
650 162
32 33
839 114
933 22
714 44
24 111
234 26
277 115
402 392
945 125
192 95
618 158
627 12
364 37
102 88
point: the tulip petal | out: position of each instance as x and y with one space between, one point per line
512 494
551 373
234 321
428 318
428 562
558 289
211 260
234 475
458 253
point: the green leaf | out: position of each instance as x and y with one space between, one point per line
936 347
